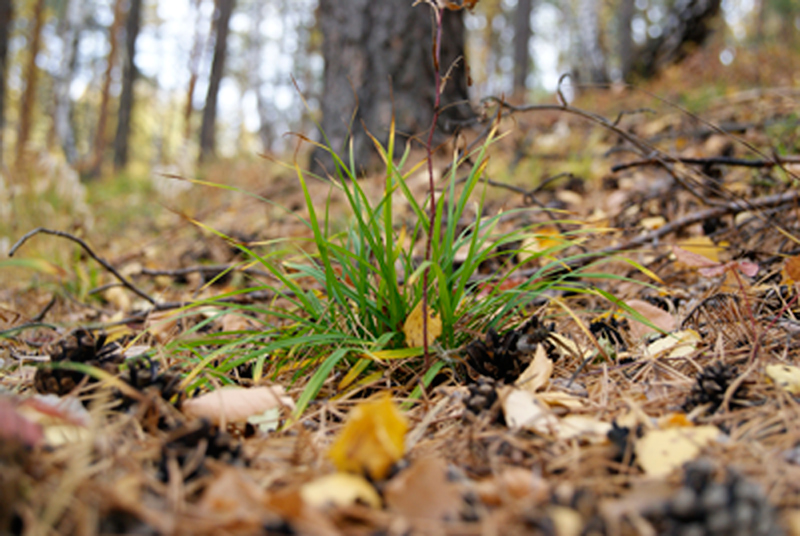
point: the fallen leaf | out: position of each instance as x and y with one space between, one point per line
522 409
565 400
660 318
660 452
792 268
372 439
583 427
339 489
538 372
513 483
413 326
692 259
567 521
232 500
787 377
237 404
673 345
653 222
16 427
423 491
698 246
569 348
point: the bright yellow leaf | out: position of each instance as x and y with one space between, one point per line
413 326
372 439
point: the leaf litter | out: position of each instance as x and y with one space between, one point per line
669 408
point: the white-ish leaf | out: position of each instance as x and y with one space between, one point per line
237 404
538 372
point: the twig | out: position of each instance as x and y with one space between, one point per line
709 161
133 288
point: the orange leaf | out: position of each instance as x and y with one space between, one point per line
793 268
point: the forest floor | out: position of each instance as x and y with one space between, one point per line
576 417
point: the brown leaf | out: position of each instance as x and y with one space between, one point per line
236 404
793 268
423 491
658 317
15 427
538 372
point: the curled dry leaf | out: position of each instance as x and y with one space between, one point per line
372 439
237 404
673 345
413 326
522 409
339 489
538 372
660 452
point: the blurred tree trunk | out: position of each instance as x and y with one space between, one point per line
129 75
222 17
625 18
96 163
688 26
255 81
6 15
31 83
592 66
522 37
378 61
196 56
69 28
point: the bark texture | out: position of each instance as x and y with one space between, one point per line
129 75
592 66
379 55
31 84
208 132
689 24
522 37
70 26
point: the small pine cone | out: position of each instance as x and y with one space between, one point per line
482 396
703 506
711 385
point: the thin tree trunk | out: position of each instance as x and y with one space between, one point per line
208 138
625 19
196 56
100 135
255 82
6 15
69 32
129 75
522 37
31 83
593 61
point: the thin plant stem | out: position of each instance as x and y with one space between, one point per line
438 12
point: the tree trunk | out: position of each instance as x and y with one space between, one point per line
687 26
222 16
625 19
592 67
522 37
70 26
6 16
129 75
96 163
31 83
198 46
254 53
378 61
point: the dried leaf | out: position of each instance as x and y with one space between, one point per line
513 483
423 491
340 489
673 345
371 440
233 500
538 372
697 252
792 268
522 409
567 521
583 427
16 427
660 452
565 400
413 326
658 317
787 377
237 404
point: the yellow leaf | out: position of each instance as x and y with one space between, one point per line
786 377
702 245
660 452
371 440
534 244
538 372
413 326
339 489
653 222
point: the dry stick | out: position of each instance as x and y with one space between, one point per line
133 288
709 161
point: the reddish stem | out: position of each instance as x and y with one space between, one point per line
429 147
